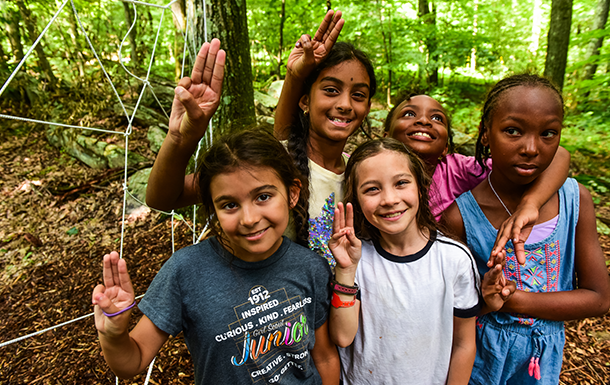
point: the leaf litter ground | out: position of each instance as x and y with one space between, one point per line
51 246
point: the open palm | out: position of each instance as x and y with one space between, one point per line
197 98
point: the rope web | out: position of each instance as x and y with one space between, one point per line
189 50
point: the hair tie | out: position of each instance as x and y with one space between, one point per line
120 311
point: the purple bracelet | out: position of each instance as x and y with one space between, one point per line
120 311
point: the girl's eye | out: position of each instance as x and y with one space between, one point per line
263 197
512 131
371 190
409 113
359 95
331 90
229 206
402 182
549 134
438 118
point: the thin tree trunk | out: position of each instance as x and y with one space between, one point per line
601 17
3 60
179 12
387 49
30 25
428 17
227 20
558 41
80 60
127 7
14 34
279 54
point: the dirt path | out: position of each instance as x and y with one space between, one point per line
50 260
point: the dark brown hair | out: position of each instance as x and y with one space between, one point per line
494 97
424 217
248 149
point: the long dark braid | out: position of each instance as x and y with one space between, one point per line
494 96
298 139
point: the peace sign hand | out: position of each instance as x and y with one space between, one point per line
114 295
345 246
197 98
308 53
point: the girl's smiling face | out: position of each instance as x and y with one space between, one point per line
252 206
524 133
421 124
388 196
338 101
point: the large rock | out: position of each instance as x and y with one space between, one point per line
90 150
137 188
156 136
275 89
264 104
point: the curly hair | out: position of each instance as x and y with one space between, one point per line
247 149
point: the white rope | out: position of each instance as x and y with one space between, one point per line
60 124
127 132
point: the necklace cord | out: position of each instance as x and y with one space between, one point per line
496 194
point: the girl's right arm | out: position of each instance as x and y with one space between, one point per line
126 353
302 61
195 101
347 249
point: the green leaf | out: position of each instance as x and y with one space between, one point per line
72 231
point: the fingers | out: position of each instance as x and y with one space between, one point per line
97 291
501 239
200 62
109 271
188 103
333 34
349 215
219 72
324 26
185 82
210 61
124 279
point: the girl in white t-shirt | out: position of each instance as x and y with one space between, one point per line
405 299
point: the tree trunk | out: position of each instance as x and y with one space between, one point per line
179 12
3 60
14 34
387 48
80 60
30 25
601 17
279 54
428 17
558 41
227 20
127 7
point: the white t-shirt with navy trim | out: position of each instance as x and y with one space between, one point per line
407 307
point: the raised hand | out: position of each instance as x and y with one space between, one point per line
308 53
518 228
114 295
197 98
345 246
495 288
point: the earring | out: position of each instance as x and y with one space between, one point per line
306 112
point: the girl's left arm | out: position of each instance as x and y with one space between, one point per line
519 226
326 357
463 350
592 297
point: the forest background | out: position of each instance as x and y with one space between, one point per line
60 214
